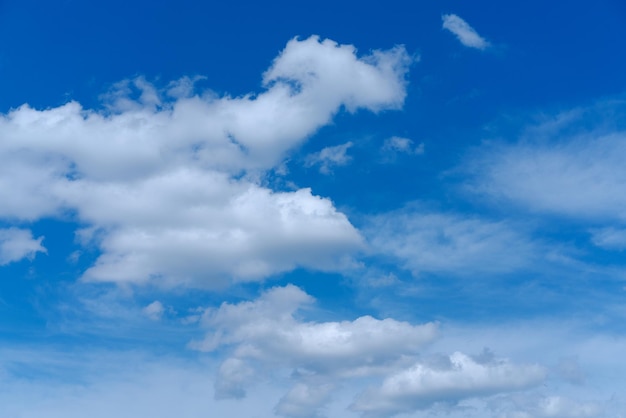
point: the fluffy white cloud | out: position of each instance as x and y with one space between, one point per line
267 329
329 157
464 32
164 179
457 377
267 333
201 228
16 244
431 242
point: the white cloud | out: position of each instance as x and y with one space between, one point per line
464 32
268 329
330 157
53 384
166 181
266 333
16 244
458 377
431 242
234 375
200 229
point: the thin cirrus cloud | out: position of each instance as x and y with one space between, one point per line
427 241
157 181
464 32
565 169
330 157
580 177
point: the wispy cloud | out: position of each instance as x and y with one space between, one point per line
455 244
466 34
562 167
330 157
396 145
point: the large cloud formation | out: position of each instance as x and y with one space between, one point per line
166 182
269 337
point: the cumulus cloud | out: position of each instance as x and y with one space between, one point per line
267 332
431 242
164 179
268 329
16 244
456 378
464 32
330 157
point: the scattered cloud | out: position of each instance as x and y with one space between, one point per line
267 333
16 244
464 32
330 157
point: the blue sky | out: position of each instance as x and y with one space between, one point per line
312 210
